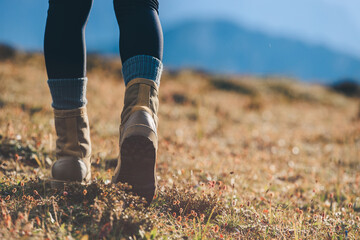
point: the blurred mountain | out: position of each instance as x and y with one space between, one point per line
221 46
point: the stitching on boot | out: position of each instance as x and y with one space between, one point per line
148 82
70 113
72 137
141 108
144 95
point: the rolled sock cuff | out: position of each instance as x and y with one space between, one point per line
142 66
68 93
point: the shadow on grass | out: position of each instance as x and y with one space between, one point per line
232 86
347 87
286 90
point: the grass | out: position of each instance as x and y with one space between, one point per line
239 158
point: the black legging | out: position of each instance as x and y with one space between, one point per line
64 44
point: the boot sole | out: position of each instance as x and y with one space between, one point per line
138 157
60 184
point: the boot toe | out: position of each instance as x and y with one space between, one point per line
69 169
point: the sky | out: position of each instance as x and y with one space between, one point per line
333 23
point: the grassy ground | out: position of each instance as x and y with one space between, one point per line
240 158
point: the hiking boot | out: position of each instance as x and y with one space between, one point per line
138 138
73 147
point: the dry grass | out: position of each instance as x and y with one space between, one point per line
238 158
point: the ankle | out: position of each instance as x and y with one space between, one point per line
142 66
68 93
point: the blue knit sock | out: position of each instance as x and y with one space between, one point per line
142 66
68 93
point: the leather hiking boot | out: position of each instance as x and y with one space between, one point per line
138 138
73 147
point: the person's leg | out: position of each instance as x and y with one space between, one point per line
64 50
140 28
141 38
141 46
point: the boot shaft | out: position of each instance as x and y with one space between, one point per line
72 129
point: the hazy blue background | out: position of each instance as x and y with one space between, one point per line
308 39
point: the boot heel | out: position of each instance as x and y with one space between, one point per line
138 157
